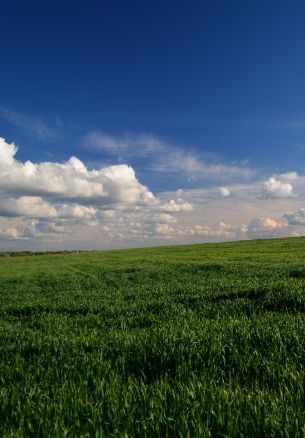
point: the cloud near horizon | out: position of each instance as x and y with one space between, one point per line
52 205
275 188
56 198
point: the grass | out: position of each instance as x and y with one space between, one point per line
199 340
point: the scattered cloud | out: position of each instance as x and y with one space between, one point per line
266 227
275 188
36 128
30 206
129 145
10 234
166 229
177 205
165 157
55 200
289 176
225 192
257 228
296 218
70 180
65 204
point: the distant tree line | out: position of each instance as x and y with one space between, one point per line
37 253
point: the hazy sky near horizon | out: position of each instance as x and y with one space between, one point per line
130 123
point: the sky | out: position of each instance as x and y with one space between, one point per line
136 123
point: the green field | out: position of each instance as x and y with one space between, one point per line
199 340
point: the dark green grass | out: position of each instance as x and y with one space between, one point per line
201 340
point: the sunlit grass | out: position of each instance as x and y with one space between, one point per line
202 340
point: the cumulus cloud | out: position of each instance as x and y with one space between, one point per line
76 211
224 191
165 229
257 228
290 176
275 188
69 180
55 199
296 218
265 223
30 206
177 206
10 234
60 203
220 230
267 227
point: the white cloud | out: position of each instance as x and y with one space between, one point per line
70 180
257 228
177 206
268 227
76 211
165 229
225 192
66 205
289 176
296 218
10 234
245 203
165 157
275 188
161 218
35 127
30 206
262 224
55 200
222 230
127 146
219 231
196 169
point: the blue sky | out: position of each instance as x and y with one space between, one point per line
195 96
